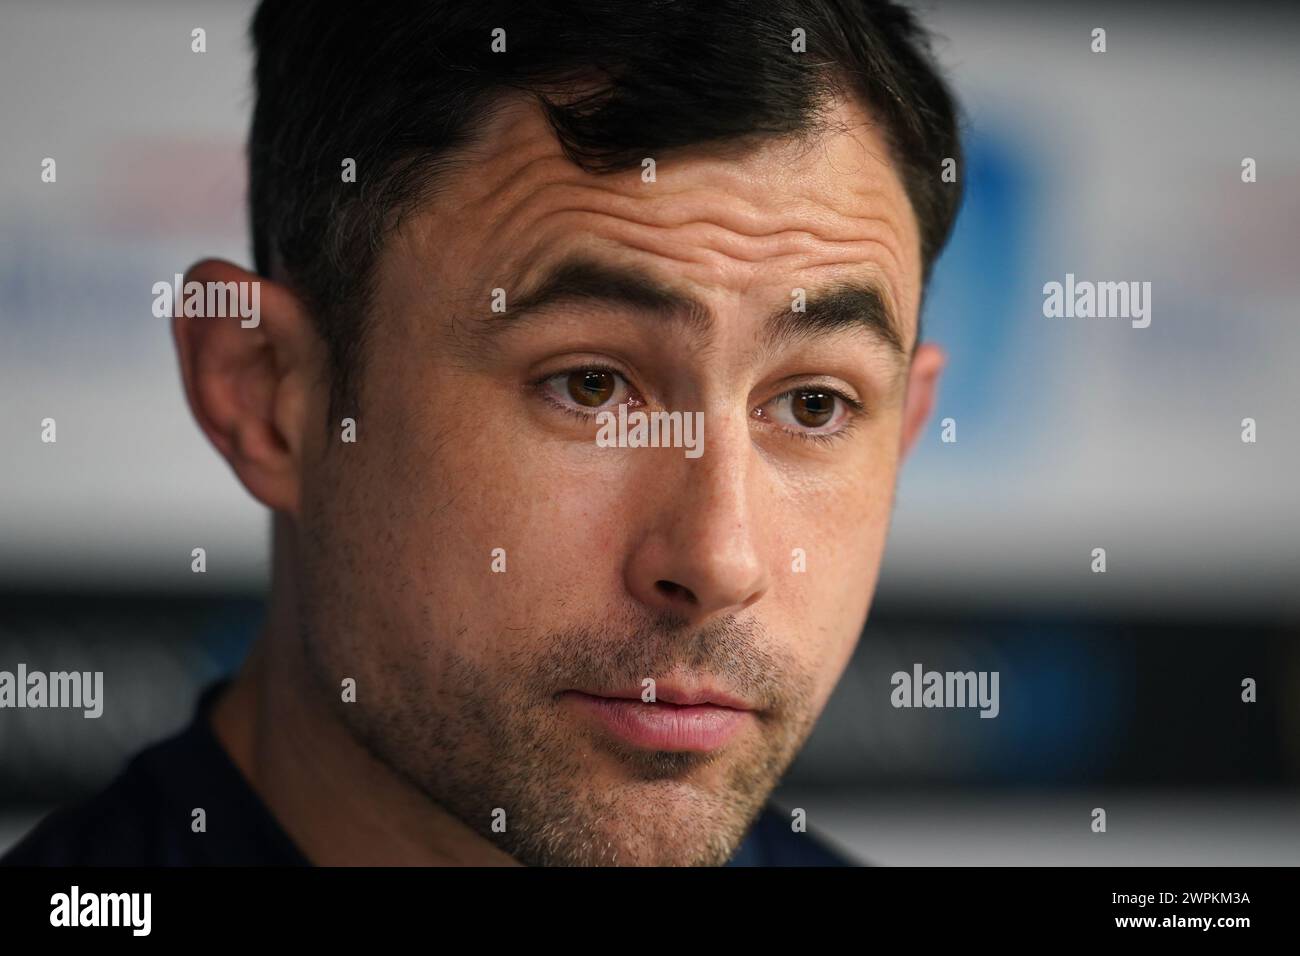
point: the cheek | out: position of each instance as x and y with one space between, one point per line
842 527
841 521
561 515
499 537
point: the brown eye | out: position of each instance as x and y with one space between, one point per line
590 387
811 408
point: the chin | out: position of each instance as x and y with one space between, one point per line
647 824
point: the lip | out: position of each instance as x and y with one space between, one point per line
670 692
692 721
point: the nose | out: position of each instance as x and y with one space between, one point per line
700 556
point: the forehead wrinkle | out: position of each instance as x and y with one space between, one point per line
834 188
746 226
687 192
521 179
694 314
804 247
790 232
506 144
726 233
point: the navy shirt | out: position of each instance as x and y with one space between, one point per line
143 817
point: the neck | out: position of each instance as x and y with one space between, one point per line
336 801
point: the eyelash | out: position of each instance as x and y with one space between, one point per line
857 408
540 387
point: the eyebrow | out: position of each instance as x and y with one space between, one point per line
847 304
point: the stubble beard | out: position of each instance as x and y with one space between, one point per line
497 751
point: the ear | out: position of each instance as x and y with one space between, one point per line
250 382
922 388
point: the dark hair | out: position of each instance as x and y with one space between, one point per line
399 85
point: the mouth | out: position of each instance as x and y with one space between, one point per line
699 720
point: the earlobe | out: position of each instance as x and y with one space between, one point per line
922 389
244 344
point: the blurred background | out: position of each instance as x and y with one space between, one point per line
1119 690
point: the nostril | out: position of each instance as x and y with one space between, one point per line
675 591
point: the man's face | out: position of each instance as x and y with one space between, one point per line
512 680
